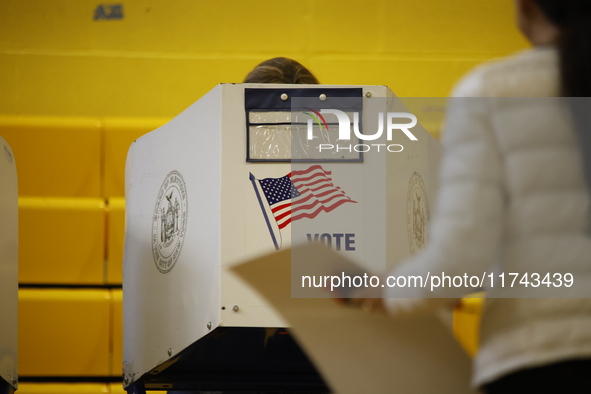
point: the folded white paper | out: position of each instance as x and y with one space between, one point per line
355 351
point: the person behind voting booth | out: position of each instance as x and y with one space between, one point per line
516 193
278 70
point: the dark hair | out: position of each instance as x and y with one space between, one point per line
573 19
280 70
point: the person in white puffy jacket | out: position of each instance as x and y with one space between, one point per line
515 194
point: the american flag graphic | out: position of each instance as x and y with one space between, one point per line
300 194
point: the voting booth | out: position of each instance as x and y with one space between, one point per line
8 270
246 170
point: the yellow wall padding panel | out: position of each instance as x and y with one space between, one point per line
74 388
61 240
56 156
116 332
119 135
159 57
115 239
64 332
466 325
63 388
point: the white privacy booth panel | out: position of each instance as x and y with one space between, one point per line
204 193
8 270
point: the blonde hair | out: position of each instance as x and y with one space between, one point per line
280 70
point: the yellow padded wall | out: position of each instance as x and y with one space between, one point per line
63 388
58 157
74 388
116 332
161 56
115 239
61 240
466 323
64 332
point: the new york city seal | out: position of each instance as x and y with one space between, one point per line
169 222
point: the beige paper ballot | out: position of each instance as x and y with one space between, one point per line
355 351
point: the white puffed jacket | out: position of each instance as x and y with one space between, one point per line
512 195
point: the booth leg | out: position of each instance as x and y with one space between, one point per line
5 388
136 389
